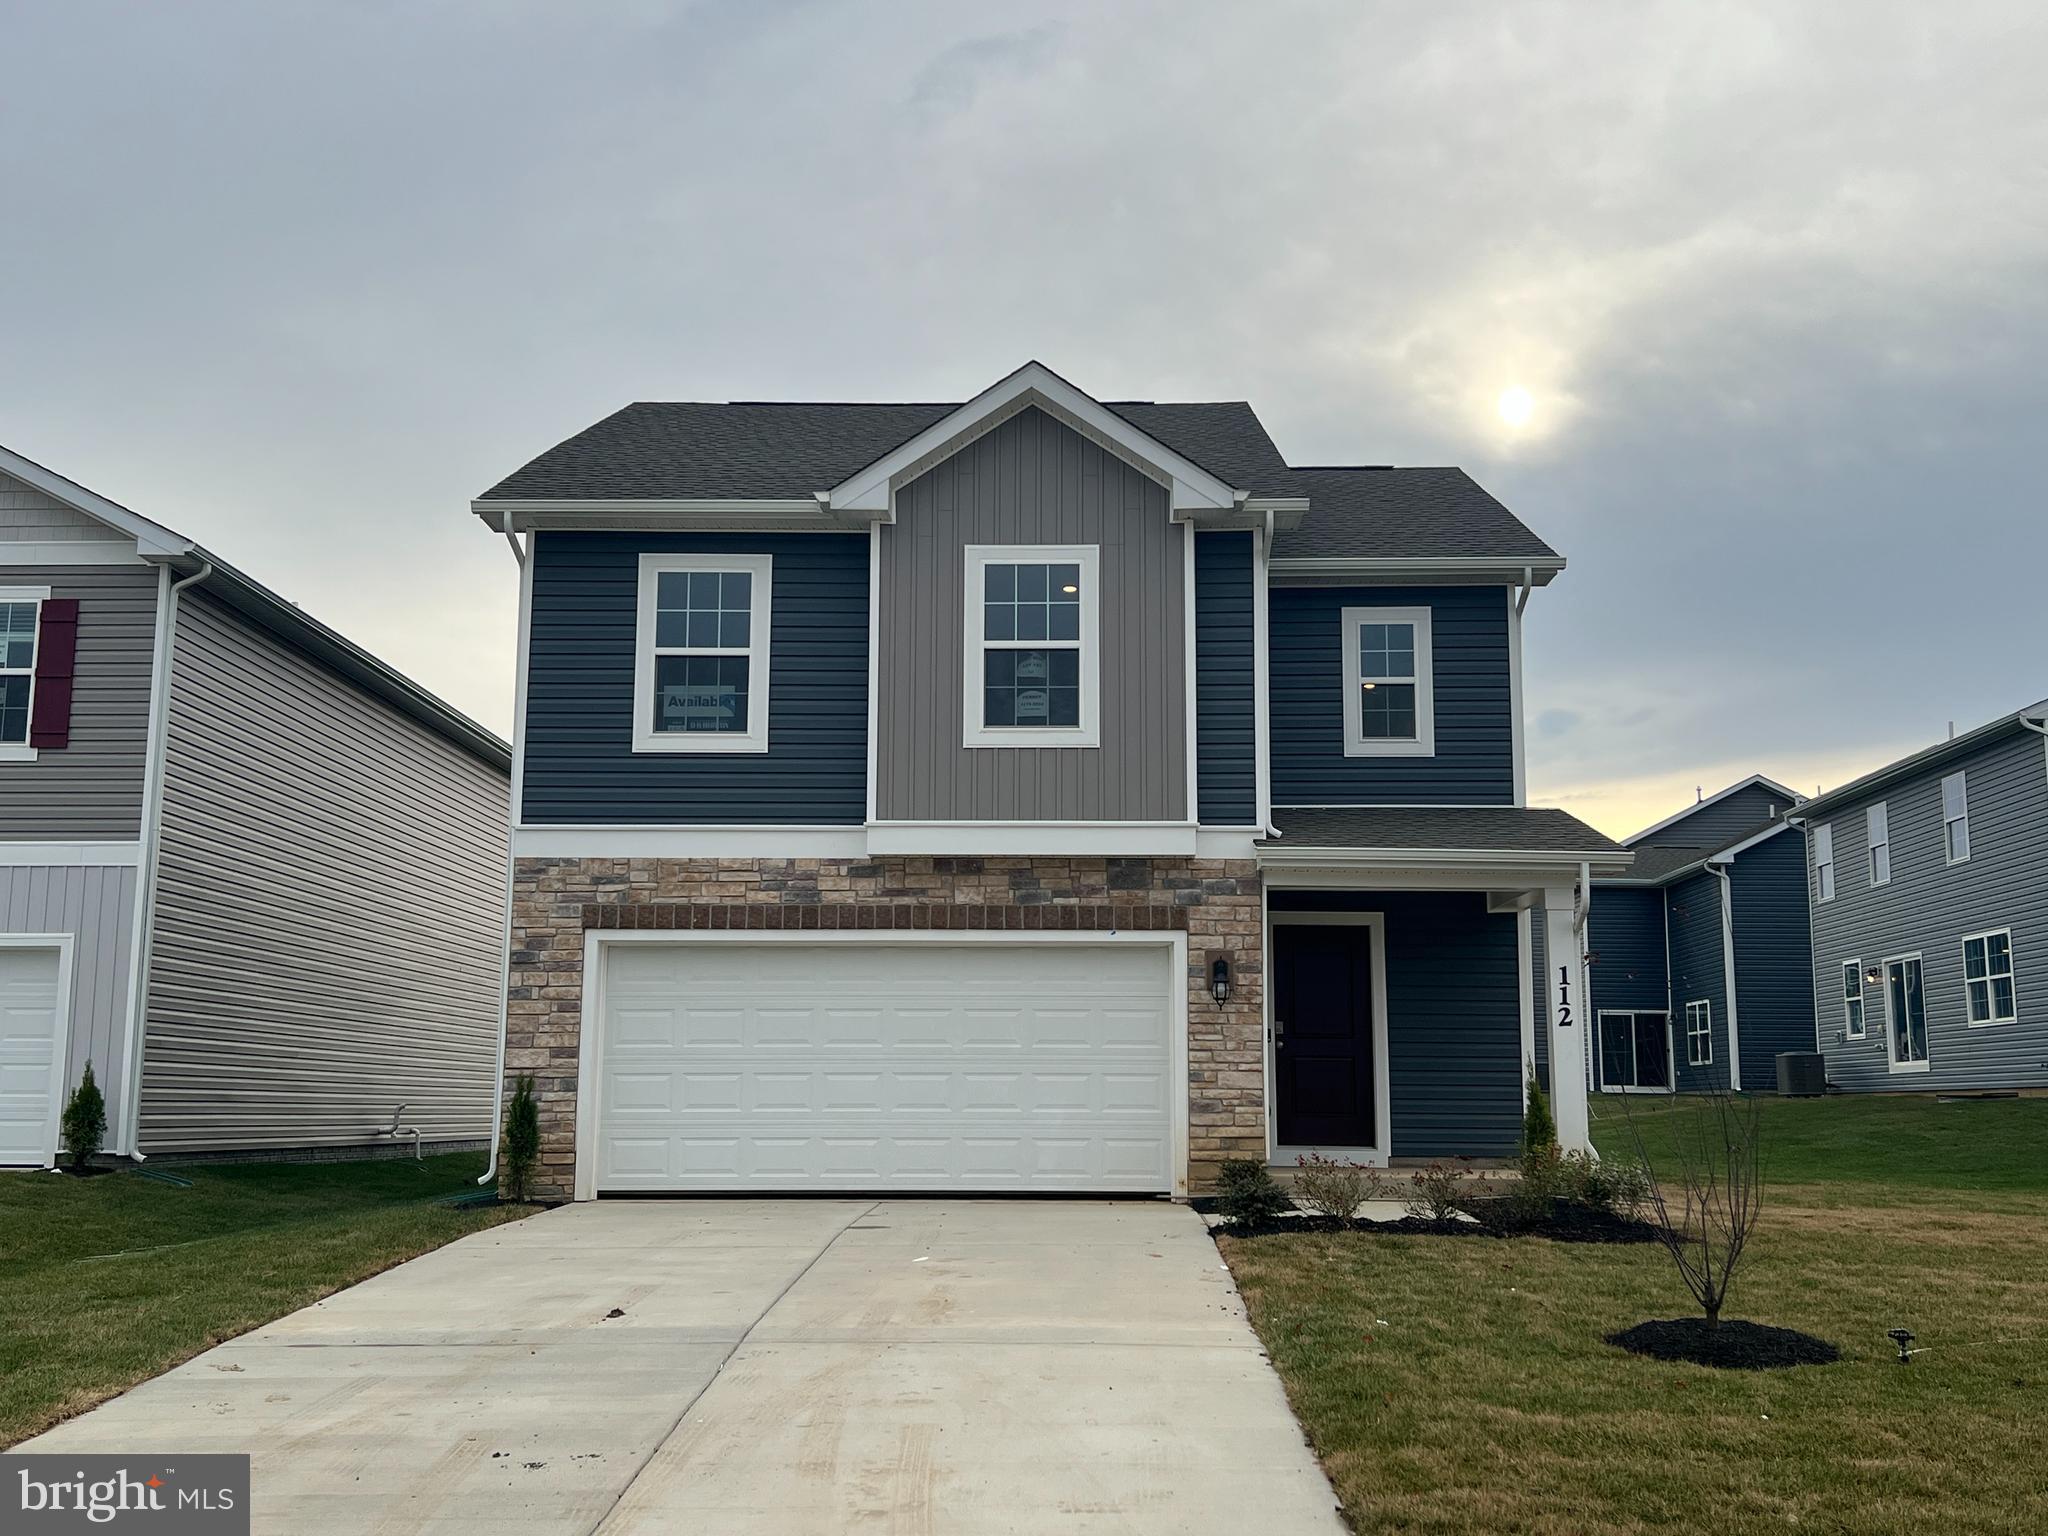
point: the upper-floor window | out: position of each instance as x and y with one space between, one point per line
1824 861
1699 1033
1987 976
1033 663
1852 999
1880 831
1955 817
701 654
19 609
1389 693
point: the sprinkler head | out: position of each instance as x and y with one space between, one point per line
1901 1337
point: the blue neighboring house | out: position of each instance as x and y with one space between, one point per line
1929 888
1026 793
1698 955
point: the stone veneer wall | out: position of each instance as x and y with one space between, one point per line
1215 901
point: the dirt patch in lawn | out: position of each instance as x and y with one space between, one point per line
1734 1346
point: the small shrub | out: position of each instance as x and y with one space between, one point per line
1706 1207
85 1120
1246 1193
1539 1131
1615 1187
1336 1188
1439 1192
522 1138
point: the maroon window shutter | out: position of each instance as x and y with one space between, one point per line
49 723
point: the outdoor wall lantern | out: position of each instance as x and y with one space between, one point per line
1874 975
1219 979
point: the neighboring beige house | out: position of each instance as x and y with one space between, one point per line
252 874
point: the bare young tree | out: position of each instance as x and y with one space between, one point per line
1705 1200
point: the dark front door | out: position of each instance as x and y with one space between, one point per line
1322 1035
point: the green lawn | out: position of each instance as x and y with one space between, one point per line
1456 1385
1896 1140
108 1281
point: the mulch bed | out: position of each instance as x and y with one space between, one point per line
1493 1217
1734 1346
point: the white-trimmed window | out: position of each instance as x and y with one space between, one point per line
1824 861
1879 827
700 672
1852 999
1987 977
1699 1033
1032 672
20 612
1955 818
1389 683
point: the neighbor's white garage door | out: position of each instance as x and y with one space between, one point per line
29 1068
790 1065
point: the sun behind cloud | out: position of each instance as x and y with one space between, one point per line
1516 406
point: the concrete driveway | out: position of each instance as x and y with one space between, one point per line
785 1366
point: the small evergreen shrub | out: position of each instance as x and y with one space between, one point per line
1335 1188
1247 1195
522 1138
1539 1133
1614 1187
85 1120
1439 1192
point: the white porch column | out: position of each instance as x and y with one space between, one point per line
1570 1016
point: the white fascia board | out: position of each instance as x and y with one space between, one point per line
802 514
152 540
872 489
589 841
1756 780
1449 571
1130 839
1504 859
1727 855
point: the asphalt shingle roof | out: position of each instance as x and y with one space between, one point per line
1486 828
1654 863
755 450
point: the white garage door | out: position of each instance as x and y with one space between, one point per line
860 1065
29 1069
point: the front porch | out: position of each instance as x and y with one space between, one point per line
1400 1010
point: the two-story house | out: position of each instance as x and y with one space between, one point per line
1929 887
1700 969
1026 794
250 873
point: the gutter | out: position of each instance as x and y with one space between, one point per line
512 806
143 948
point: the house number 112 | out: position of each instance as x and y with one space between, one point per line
1564 997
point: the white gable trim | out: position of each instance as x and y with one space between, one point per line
151 539
873 489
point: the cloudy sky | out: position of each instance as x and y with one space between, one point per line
301 280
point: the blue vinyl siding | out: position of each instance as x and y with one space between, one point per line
1627 933
1474 761
1698 970
1712 825
1773 957
1225 724
580 765
1454 1035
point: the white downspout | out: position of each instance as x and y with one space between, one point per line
144 945
1262 687
1720 872
490 1173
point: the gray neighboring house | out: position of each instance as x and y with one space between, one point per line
1929 888
252 874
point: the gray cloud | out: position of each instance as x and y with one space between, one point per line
301 280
